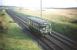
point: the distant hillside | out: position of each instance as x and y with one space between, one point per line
67 14
63 8
55 14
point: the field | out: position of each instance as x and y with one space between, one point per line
54 14
63 21
14 38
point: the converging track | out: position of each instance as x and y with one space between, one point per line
53 41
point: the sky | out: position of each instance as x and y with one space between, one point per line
59 3
35 4
0 2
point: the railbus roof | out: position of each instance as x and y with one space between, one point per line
37 20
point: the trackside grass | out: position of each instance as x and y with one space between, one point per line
15 39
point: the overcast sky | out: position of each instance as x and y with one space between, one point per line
36 3
0 2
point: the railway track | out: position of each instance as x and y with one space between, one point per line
53 41
66 40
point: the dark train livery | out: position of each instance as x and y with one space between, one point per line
38 25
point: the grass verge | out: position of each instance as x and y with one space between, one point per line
15 39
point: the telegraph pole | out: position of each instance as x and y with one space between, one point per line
41 8
40 14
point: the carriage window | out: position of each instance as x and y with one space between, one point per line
35 25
